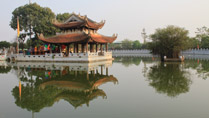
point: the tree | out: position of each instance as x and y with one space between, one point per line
169 41
136 44
62 17
202 32
202 35
193 43
4 44
205 42
144 45
33 20
126 44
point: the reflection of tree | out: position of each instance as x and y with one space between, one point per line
128 61
202 67
169 79
193 64
50 86
4 69
34 99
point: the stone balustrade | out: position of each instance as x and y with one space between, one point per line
196 52
74 57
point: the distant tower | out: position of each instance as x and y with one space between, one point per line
144 35
29 1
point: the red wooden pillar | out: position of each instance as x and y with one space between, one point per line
96 48
67 51
77 46
106 47
83 48
87 47
101 48
60 48
74 48
90 47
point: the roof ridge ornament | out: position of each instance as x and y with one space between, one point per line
41 35
85 17
89 34
115 35
54 20
102 22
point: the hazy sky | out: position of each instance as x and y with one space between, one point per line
125 17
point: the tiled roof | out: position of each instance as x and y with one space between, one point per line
84 22
78 37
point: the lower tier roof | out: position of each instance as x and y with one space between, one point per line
81 37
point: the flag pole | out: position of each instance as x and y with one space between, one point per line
18 33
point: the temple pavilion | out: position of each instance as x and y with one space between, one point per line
79 35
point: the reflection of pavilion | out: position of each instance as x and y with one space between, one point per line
44 84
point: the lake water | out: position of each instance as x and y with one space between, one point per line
125 88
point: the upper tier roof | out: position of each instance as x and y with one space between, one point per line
78 21
78 37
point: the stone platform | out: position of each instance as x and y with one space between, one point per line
59 57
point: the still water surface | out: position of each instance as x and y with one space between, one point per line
125 88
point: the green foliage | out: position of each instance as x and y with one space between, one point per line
22 37
46 89
35 99
62 17
34 19
202 32
14 44
169 41
203 36
4 69
205 42
203 69
128 61
126 44
136 44
144 46
116 46
193 42
4 44
169 79
36 42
